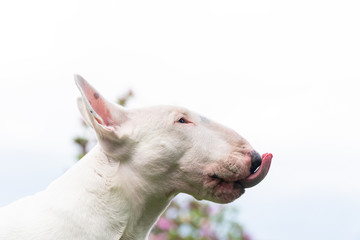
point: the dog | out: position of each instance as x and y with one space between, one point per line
144 157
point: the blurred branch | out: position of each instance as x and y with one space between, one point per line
82 142
125 98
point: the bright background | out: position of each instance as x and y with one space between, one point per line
284 74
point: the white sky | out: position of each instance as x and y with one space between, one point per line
284 74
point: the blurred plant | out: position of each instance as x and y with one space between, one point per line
125 98
189 219
185 218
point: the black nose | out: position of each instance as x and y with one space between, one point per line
255 162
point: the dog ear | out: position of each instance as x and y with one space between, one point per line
84 112
103 116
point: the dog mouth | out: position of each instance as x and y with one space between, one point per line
225 190
229 189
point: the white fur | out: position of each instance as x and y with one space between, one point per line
143 159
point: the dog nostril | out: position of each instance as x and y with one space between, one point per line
255 162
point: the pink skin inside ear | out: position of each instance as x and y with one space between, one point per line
260 174
98 104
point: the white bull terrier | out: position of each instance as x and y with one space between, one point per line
144 157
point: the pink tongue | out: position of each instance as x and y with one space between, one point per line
260 174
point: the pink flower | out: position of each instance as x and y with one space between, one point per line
207 232
164 224
247 236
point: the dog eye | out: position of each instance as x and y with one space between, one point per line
183 120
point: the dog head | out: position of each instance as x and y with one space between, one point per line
171 149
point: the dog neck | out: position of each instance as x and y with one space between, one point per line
122 203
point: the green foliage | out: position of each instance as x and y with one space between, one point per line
186 218
125 98
82 142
